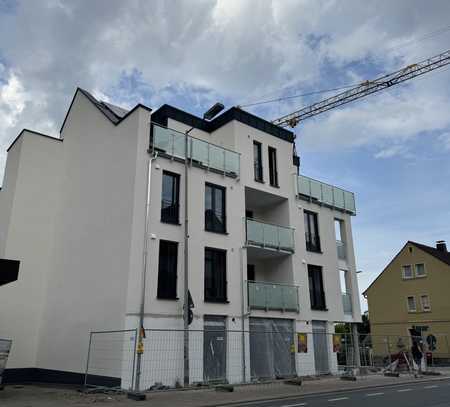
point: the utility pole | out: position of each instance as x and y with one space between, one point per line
186 261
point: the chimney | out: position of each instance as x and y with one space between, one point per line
441 246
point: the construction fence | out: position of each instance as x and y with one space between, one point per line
120 360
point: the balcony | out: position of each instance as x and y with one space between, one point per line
347 303
271 296
325 194
269 236
200 153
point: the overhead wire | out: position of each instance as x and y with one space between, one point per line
283 98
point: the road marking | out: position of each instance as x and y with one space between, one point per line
374 394
338 399
295 405
403 390
431 387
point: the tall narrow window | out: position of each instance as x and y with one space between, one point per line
215 275
340 243
215 214
311 231
273 172
425 300
167 270
411 304
257 161
316 292
343 274
170 204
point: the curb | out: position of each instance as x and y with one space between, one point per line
325 392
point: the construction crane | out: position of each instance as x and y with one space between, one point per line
364 89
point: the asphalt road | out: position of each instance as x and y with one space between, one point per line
423 394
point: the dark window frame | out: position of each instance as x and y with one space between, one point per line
258 161
171 213
312 234
215 284
214 223
316 288
273 167
167 277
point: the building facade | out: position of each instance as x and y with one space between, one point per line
407 300
270 252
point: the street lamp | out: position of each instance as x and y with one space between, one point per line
208 115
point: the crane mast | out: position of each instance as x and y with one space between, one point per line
364 89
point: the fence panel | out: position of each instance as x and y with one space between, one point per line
111 359
265 352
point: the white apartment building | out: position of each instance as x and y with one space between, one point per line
268 250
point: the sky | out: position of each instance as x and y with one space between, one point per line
391 149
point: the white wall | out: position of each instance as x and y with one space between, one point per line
34 163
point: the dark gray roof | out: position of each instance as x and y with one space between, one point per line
165 112
440 255
113 112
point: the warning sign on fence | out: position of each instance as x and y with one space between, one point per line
302 340
336 342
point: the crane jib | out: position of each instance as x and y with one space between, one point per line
364 89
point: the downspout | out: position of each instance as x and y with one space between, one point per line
243 315
151 157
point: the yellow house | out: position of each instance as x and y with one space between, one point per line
411 297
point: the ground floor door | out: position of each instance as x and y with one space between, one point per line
272 349
321 347
214 349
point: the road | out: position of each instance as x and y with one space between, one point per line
423 394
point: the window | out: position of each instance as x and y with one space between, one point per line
420 270
343 275
425 301
316 292
411 304
257 161
273 173
215 275
215 217
167 270
407 272
338 229
170 198
311 232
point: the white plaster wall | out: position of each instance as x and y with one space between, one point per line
34 163
88 282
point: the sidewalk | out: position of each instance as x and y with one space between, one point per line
40 396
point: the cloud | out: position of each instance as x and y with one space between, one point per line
193 53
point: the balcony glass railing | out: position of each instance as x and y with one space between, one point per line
326 194
269 236
341 250
347 303
200 152
271 296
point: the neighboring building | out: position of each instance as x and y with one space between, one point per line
269 251
409 298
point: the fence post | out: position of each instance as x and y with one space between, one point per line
87 361
134 358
